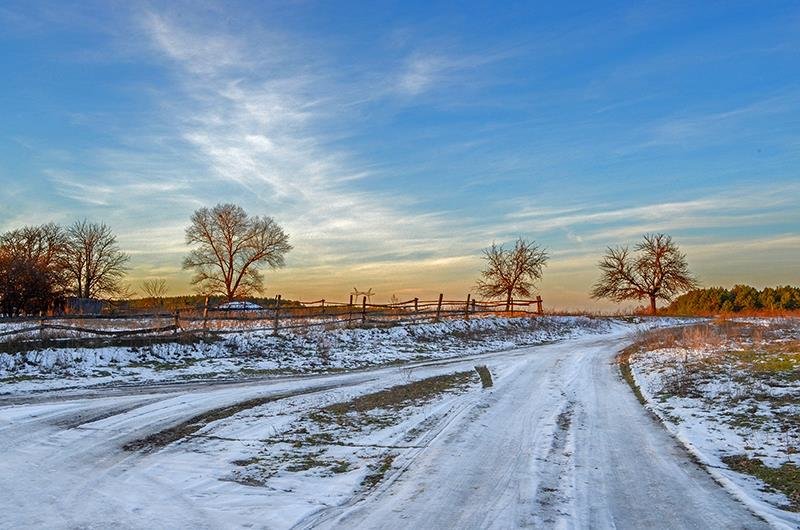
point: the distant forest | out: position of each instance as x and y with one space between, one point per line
739 299
170 303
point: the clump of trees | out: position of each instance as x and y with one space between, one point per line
740 298
230 247
32 268
512 271
655 270
41 265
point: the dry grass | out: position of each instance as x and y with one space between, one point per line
784 479
194 424
305 446
376 408
378 471
742 375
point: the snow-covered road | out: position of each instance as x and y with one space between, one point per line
559 441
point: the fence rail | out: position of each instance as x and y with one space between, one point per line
275 318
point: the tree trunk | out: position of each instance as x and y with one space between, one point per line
508 301
653 310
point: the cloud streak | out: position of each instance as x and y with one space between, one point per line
266 135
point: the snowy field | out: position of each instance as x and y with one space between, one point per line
364 428
253 354
556 439
731 392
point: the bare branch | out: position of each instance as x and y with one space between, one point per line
658 270
511 272
230 247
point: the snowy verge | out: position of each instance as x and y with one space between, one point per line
729 391
259 353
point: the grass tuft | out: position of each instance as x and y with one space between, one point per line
356 411
379 471
785 479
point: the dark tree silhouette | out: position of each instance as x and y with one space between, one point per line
656 270
154 287
154 290
32 277
230 247
512 271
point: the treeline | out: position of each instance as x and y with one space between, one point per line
42 266
196 301
739 299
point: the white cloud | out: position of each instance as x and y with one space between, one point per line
739 207
420 73
266 134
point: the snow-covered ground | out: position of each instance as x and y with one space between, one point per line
259 353
558 441
731 393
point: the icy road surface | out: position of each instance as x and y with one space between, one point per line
558 442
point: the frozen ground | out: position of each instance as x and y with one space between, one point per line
558 441
731 393
261 354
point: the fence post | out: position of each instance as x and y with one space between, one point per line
416 306
439 307
277 313
466 310
539 305
41 328
473 305
323 306
176 321
205 315
350 311
363 309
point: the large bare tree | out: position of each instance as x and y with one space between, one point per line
512 271
94 261
656 270
230 247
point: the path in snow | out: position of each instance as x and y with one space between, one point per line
560 441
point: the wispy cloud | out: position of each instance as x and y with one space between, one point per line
266 135
428 70
707 127
741 207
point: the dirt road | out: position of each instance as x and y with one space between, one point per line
560 441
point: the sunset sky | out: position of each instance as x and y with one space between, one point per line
394 140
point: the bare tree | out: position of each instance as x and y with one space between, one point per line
94 261
154 287
656 270
31 273
230 248
154 290
511 271
43 244
124 292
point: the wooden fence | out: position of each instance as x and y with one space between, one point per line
275 318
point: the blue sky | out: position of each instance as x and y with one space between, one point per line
394 140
